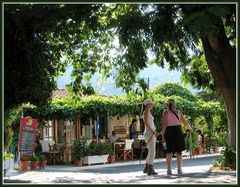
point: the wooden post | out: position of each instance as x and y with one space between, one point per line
56 130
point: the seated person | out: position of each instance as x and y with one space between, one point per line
113 137
133 129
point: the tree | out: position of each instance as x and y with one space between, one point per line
114 39
169 89
171 30
36 36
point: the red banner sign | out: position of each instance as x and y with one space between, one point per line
27 136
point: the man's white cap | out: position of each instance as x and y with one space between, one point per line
147 101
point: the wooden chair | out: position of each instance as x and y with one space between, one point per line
56 154
52 151
126 151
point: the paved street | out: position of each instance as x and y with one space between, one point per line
195 171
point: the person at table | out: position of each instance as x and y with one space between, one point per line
113 137
133 129
149 135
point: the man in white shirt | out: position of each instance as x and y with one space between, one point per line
113 137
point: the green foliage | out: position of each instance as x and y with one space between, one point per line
39 47
191 141
79 148
170 89
131 104
198 74
8 156
24 159
41 157
99 149
8 136
34 158
200 123
228 160
209 96
11 126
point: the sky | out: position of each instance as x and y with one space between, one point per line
156 76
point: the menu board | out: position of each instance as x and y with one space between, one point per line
27 136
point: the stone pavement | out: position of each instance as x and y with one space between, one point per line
195 171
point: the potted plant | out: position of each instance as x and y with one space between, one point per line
24 164
34 162
79 151
112 157
8 163
42 161
97 153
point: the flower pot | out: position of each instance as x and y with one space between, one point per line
79 162
42 164
111 159
23 165
34 165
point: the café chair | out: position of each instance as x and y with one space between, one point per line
126 151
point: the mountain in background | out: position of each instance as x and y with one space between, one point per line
156 76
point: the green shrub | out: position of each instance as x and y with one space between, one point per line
79 148
99 149
228 160
191 141
24 159
34 158
41 157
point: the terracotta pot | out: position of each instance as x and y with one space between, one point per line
112 159
34 165
42 164
23 165
79 162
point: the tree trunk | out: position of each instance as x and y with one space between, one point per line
221 60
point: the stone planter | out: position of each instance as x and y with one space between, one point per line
96 159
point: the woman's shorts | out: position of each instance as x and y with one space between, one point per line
175 139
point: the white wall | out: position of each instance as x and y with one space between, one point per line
123 121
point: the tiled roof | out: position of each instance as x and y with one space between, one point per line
60 93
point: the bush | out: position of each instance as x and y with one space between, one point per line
228 160
79 148
24 159
192 143
34 158
99 149
42 157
